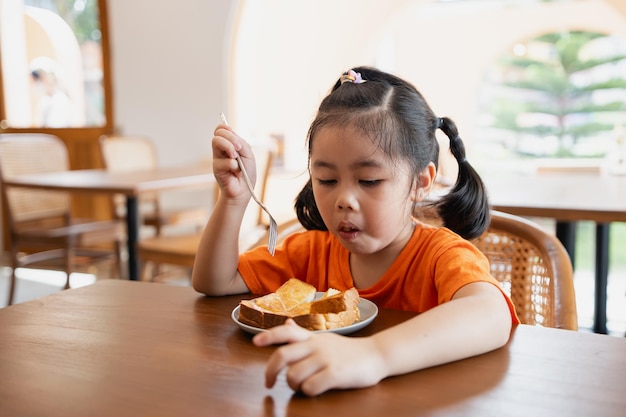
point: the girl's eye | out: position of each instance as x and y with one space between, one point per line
326 182
370 183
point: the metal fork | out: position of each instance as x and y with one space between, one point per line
273 232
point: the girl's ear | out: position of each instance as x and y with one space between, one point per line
424 182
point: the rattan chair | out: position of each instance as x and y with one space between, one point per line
534 268
132 153
40 225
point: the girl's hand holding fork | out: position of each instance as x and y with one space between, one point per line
226 146
217 273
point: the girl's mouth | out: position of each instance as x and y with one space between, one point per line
348 232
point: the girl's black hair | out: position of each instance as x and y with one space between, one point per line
395 116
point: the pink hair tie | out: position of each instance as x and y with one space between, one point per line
352 77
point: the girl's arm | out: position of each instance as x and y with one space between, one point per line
215 267
476 321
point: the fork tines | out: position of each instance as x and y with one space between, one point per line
271 241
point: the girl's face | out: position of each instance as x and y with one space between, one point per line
365 198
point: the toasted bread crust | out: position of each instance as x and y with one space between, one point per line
252 315
334 310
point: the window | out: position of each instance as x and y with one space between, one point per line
557 95
52 64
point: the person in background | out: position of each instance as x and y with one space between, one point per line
54 108
372 160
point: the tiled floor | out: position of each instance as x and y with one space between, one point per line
37 283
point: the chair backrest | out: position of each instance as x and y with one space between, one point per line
124 154
534 269
32 153
128 153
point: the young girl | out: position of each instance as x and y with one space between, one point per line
372 158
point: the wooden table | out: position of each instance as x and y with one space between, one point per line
132 184
121 348
568 198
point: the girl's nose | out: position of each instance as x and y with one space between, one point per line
347 200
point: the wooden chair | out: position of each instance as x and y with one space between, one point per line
132 153
534 268
40 224
181 250
177 250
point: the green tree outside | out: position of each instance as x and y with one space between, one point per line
563 87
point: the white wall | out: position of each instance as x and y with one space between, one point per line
168 64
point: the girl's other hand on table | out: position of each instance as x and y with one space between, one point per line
318 362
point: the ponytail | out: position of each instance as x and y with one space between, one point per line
306 209
465 209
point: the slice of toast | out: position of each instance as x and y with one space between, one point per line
295 299
295 292
292 293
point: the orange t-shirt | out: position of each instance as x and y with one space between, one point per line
431 268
